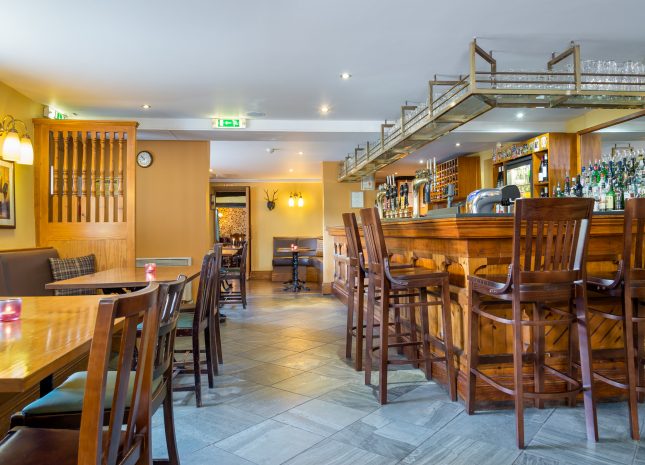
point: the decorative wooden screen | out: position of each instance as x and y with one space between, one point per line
85 188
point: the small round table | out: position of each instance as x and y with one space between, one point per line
294 284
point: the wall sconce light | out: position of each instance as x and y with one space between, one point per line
12 146
296 197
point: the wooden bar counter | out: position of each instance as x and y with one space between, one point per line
464 244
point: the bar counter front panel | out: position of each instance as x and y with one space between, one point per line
465 244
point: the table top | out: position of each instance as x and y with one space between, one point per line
125 277
289 249
51 333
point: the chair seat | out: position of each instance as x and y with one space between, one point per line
282 261
37 446
68 397
417 277
496 286
185 320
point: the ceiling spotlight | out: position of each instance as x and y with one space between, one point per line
145 106
458 144
420 161
395 173
210 170
271 149
290 170
324 109
301 153
345 76
519 115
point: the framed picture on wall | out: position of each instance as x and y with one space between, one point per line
7 195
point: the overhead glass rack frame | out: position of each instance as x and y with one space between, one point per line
480 91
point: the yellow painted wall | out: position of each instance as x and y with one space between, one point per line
282 220
594 118
22 108
172 200
337 200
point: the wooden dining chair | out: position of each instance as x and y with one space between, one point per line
235 272
62 407
203 318
127 437
550 238
626 290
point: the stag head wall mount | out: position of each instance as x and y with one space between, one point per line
271 201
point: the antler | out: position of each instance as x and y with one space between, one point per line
266 192
274 194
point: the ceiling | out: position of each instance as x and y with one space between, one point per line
200 59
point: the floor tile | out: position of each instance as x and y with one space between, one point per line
310 384
302 361
296 344
268 401
356 396
268 374
266 353
332 452
213 455
269 443
320 417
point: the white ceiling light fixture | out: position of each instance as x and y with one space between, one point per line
519 115
324 109
301 153
290 170
420 161
145 106
345 76
458 144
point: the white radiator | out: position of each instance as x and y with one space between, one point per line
171 261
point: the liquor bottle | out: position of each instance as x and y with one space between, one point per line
577 189
558 191
545 192
610 198
544 168
500 177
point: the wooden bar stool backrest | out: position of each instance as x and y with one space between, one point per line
116 445
633 262
169 303
550 238
207 290
377 257
243 254
354 246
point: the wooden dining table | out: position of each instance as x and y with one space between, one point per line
51 333
125 278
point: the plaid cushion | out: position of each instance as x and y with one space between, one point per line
66 268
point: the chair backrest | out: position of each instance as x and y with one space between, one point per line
169 303
99 447
354 246
550 239
208 283
243 254
374 241
634 233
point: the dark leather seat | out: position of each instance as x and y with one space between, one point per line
30 446
34 263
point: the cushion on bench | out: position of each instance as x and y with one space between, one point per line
15 265
67 268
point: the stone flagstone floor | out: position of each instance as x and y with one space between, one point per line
286 394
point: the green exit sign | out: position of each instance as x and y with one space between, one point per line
229 123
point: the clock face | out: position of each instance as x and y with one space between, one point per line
144 159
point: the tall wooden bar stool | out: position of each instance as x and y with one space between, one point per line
126 439
628 288
550 239
382 277
356 278
235 271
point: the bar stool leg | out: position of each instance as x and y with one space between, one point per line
447 339
425 332
197 371
369 332
472 359
640 349
573 399
586 363
169 426
350 315
397 324
383 343
538 347
630 362
358 363
412 350
517 371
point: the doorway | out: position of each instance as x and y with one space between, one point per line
230 207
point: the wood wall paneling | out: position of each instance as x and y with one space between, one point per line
85 190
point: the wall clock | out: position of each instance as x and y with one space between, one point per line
144 159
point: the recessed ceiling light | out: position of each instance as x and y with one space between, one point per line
420 161
345 76
290 170
324 109
458 144
145 106
301 153
211 170
396 172
519 115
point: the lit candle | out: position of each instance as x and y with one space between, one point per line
150 267
10 309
